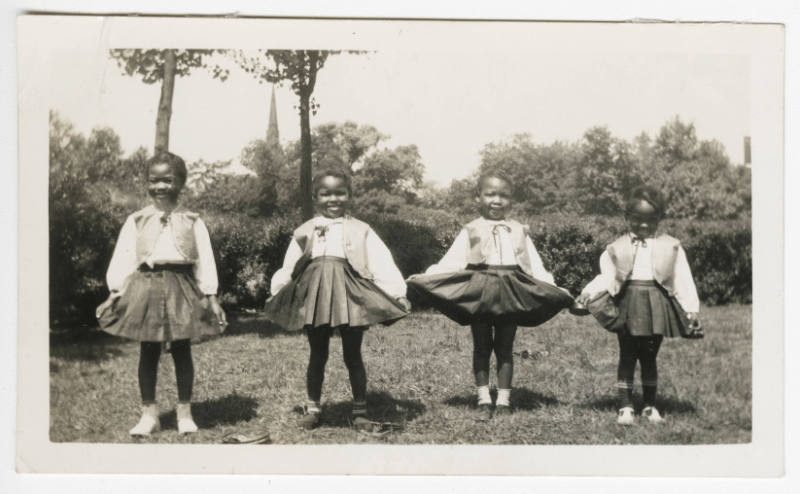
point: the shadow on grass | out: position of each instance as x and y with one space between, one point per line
381 407
521 399
92 345
243 323
228 409
666 404
527 399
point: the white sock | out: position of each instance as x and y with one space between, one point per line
484 398
503 396
312 406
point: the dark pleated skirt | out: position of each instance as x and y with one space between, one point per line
648 310
330 293
491 294
159 304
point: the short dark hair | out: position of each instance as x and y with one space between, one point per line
167 158
493 174
316 182
647 194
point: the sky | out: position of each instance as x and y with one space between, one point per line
449 103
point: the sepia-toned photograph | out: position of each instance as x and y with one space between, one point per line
388 233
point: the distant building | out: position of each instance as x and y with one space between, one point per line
747 150
273 136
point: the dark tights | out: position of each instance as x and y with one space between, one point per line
319 342
502 344
644 349
148 369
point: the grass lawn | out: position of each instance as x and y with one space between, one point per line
251 379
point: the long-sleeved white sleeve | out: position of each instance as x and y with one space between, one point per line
381 264
685 289
537 267
603 280
456 257
205 269
123 261
284 274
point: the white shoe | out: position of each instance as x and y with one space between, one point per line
148 424
186 424
625 416
652 415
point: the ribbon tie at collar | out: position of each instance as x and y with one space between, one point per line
500 226
636 241
322 230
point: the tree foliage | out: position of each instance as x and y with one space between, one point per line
164 66
148 65
83 172
299 68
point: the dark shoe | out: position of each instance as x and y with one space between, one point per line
484 412
502 410
309 420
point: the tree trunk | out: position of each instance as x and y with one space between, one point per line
165 102
305 152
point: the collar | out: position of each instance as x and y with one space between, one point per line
641 242
489 222
325 221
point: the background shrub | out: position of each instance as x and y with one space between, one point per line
248 251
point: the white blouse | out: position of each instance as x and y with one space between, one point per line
685 290
330 242
124 263
501 253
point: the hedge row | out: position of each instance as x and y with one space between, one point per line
249 250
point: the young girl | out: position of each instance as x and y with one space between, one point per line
644 292
492 278
163 284
337 273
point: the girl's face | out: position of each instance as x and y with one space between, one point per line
332 197
494 198
643 219
162 184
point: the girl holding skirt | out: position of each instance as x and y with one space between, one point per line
493 279
163 283
337 274
644 293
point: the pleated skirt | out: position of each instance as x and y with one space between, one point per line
490 294
330 293
648 310
159 304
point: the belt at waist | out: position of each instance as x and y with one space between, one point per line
641 283
483 267
176 268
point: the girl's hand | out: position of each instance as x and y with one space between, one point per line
583 298
217 310
405 303
696 329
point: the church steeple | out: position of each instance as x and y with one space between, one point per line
273 137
